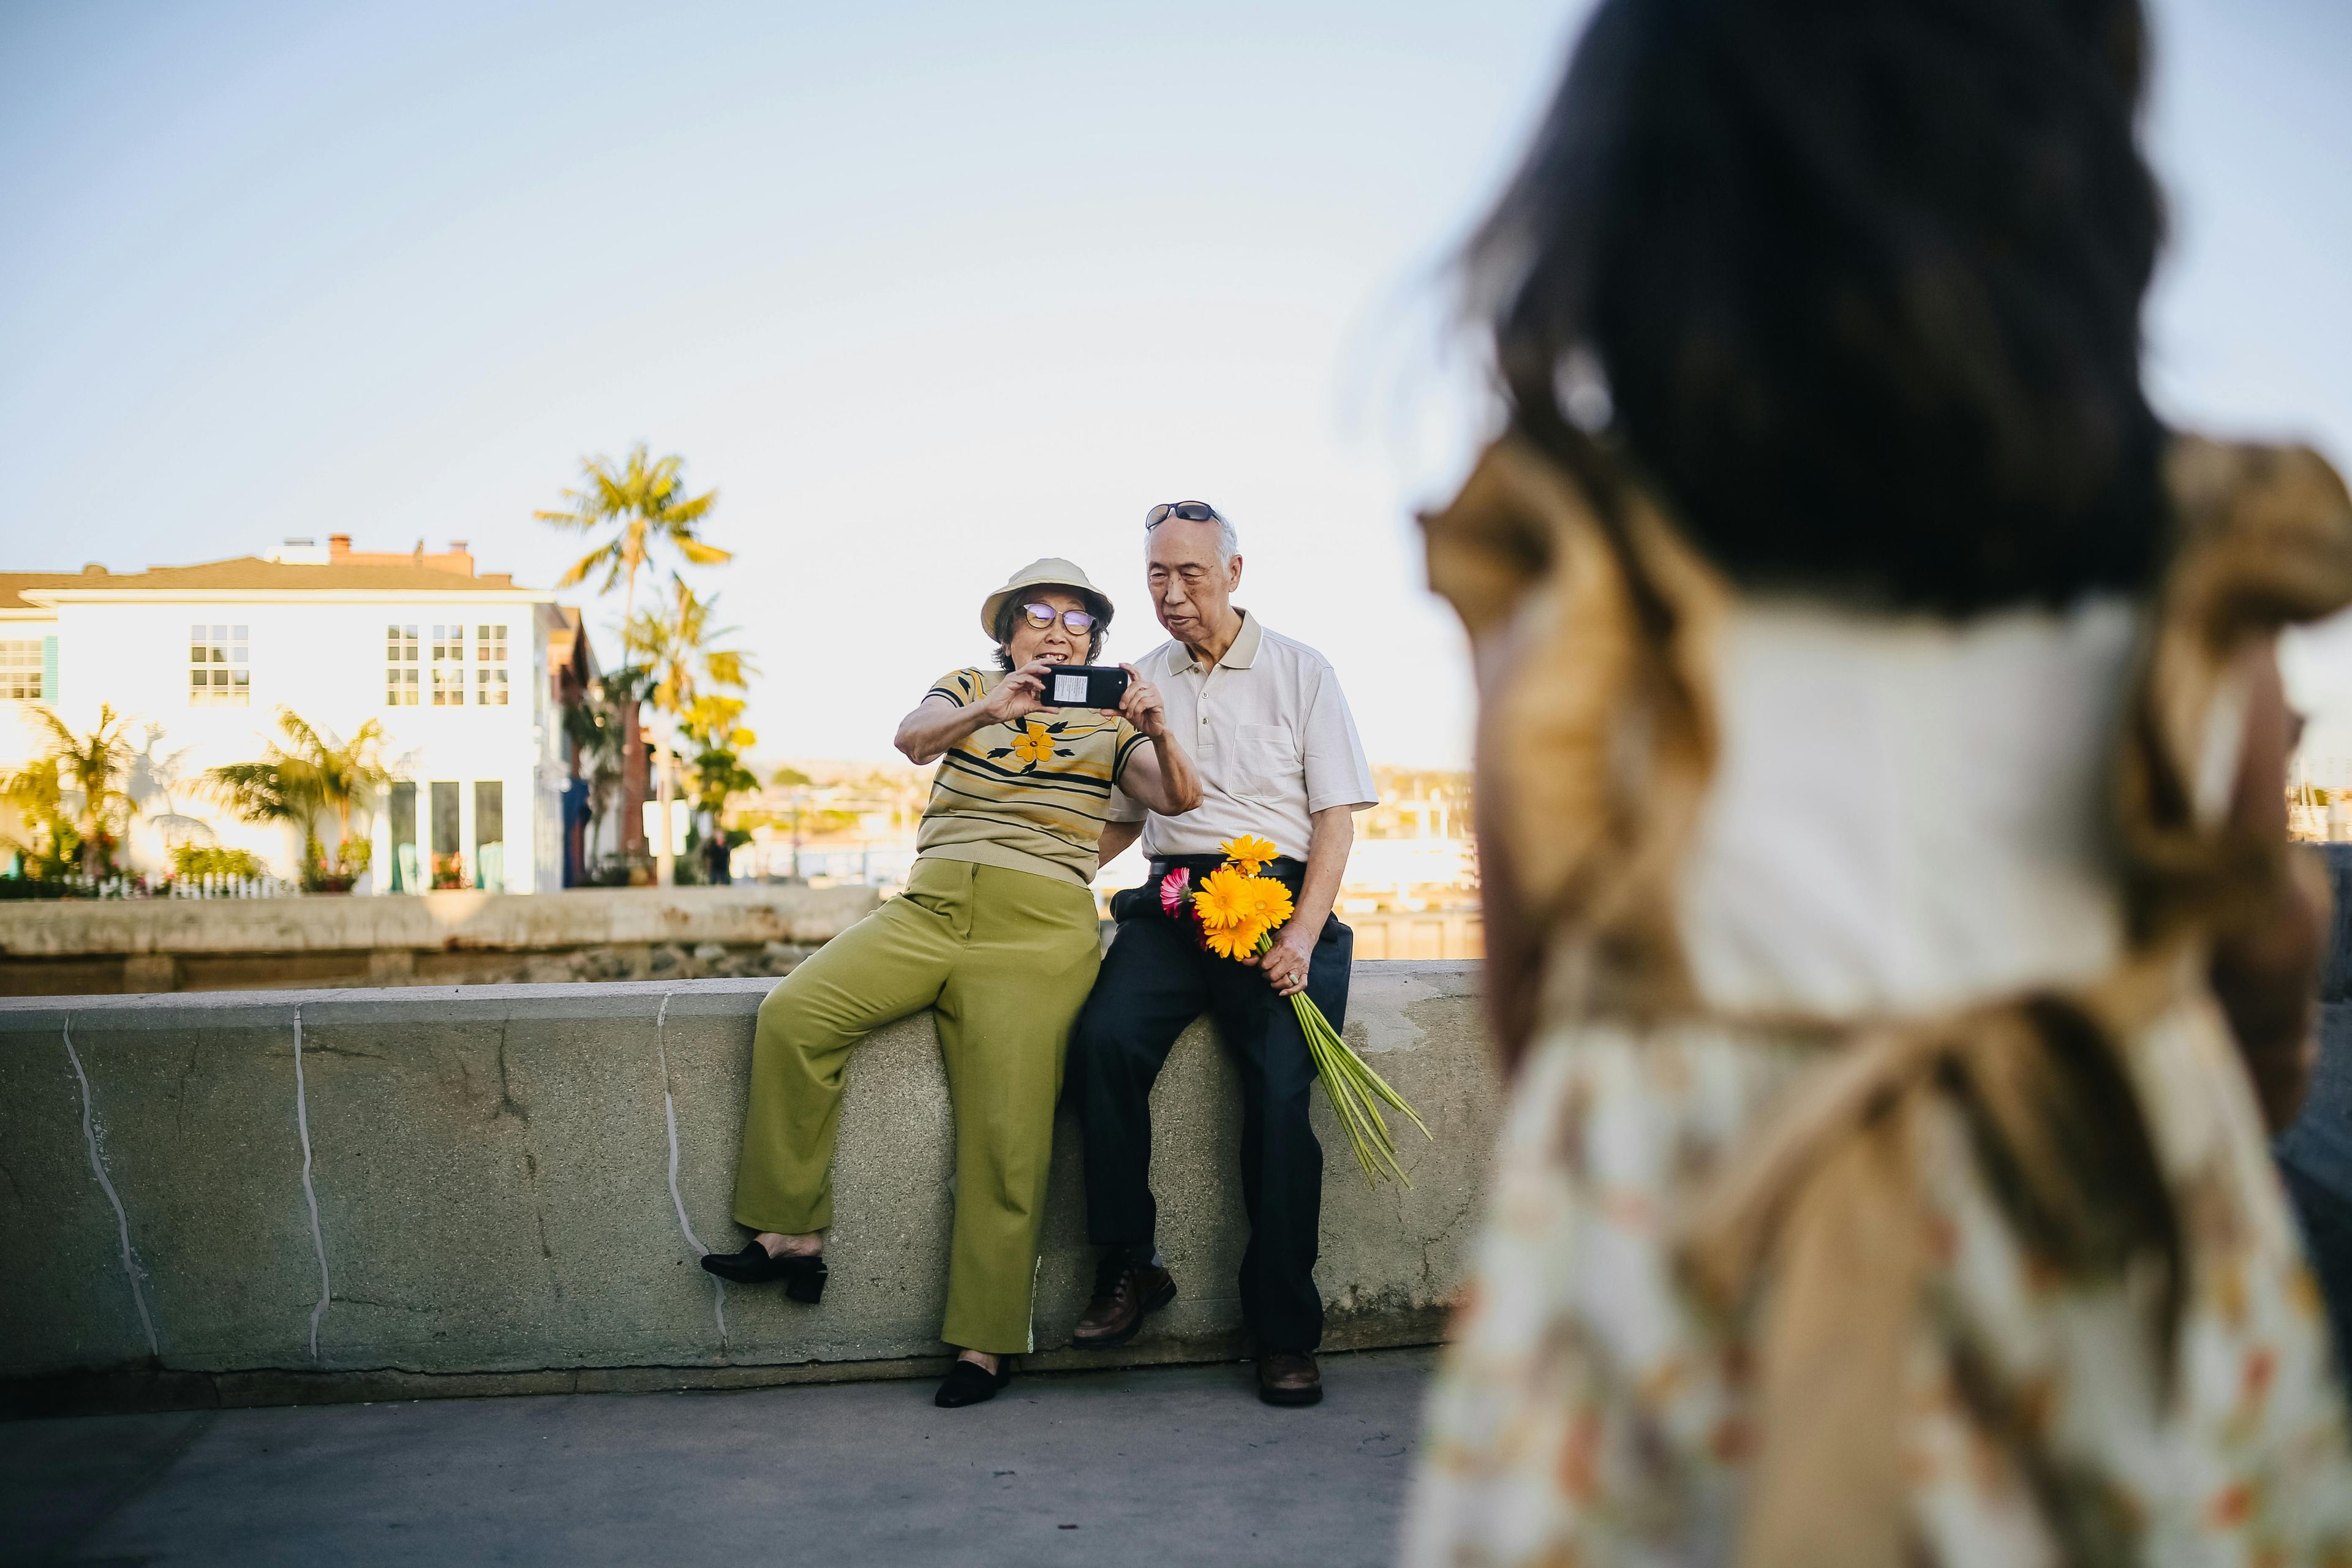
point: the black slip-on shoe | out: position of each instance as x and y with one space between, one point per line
804 1274
968 1383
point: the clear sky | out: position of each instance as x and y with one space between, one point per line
924 291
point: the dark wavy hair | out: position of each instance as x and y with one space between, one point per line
1854 285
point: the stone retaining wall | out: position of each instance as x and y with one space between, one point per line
106 947
376 1193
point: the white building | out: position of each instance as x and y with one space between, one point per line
456 665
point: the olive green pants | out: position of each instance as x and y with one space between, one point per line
1006 959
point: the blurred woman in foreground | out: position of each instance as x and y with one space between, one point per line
1881 761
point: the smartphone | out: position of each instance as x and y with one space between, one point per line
1084 685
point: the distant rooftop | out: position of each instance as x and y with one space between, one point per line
339 553
296 565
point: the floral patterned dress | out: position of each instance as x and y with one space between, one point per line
1890 822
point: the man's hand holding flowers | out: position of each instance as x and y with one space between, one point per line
1248 918
1285 961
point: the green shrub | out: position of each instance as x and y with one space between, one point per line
212 860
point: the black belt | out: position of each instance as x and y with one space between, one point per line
1144 901
1283 867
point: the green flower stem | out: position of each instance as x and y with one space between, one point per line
1354 1089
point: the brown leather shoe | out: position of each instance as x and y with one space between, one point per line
1289 1378
1124 1295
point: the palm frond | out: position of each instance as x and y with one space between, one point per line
579 571
638 497
60 738
257 792
300 730
33 789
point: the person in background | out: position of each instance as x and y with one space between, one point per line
1880 776
1278 759
997 932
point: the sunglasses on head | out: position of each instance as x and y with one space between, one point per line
1080 622
1182 511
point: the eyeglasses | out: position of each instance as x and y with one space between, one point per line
1043 616
1182 511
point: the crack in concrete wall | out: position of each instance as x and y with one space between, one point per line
106 1184
669 1123
309 1192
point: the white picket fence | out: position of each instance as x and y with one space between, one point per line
219 886
207 887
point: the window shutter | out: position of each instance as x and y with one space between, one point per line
50 670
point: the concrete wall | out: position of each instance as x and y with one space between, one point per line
97 947
381 1194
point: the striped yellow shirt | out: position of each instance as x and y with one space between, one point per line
1031 796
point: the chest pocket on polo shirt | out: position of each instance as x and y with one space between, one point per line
1268 760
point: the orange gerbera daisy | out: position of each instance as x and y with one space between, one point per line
1237 911
1248 854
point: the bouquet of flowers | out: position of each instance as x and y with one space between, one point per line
1238 912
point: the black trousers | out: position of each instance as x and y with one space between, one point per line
1155 981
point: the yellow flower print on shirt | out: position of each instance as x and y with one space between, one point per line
1034 745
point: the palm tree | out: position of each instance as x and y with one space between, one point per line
75 788
594 732
154 783
319 775
673 643
625 691
603 728
718 771
48 845
712 720
644 504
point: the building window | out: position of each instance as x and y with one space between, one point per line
490 667
219 675
448 864
449 666
399 666
20 671
490 836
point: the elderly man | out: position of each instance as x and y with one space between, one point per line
1278 758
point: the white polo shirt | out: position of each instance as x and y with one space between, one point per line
1270 732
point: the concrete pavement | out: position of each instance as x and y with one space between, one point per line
1165 1467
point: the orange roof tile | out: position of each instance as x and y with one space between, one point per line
252 572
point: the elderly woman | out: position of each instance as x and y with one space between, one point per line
997 930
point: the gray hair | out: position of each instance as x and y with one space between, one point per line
1229 541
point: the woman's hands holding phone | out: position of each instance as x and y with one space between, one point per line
1018 695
